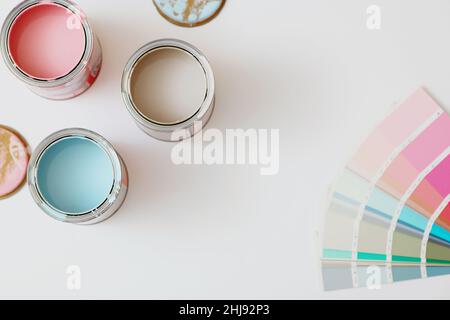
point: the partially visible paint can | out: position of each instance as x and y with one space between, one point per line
189 13
168 88
14 156
76 176
50 46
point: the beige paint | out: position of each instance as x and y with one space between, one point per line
168 85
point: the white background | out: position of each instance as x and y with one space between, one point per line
309 68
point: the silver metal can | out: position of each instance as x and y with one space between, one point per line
76 176
182 128
77 79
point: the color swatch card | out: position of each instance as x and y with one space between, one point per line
389 215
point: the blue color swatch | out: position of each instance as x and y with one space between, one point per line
75 175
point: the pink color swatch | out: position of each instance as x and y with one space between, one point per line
417 156
433 189
425 198
440 177
398 177
430 143
47 41
444 218
392 132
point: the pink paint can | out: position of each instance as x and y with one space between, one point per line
50 46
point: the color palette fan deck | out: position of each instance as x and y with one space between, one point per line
389 214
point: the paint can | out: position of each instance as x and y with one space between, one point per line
50 46
165 75
76 176
14 156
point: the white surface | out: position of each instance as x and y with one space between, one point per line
310 68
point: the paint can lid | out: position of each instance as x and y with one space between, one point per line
189 13
14 158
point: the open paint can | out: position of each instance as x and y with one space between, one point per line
51 47
76 176
168 87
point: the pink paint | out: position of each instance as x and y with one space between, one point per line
13 162
47 41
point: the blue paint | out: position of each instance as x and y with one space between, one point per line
75 175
